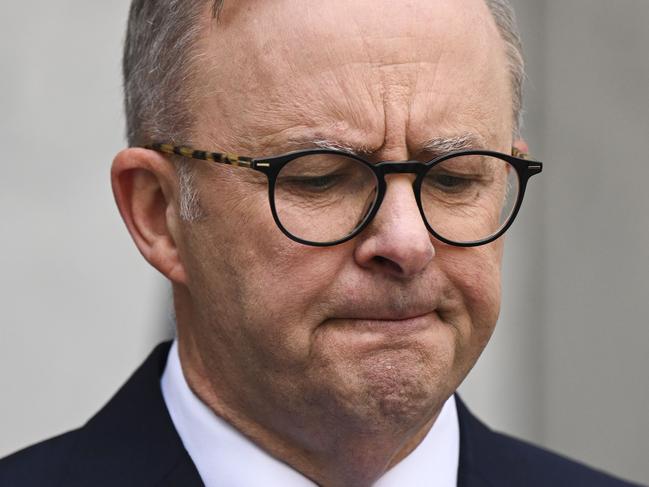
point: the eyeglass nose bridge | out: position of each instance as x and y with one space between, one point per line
401 167
384 168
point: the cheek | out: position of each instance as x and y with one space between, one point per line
292 290
475 274
251 274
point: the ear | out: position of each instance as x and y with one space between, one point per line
145 185
521 146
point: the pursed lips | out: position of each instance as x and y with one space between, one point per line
400 312
388 321
396 312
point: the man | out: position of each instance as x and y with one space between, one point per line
328 303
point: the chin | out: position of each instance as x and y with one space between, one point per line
392 389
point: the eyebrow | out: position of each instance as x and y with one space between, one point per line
435 146
319 142
335 145
446 145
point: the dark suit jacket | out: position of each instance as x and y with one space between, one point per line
132 442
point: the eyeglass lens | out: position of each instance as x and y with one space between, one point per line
469 198
324 198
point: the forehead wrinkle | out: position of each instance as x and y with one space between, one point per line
336 111
300 137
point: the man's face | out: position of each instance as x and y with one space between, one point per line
382 329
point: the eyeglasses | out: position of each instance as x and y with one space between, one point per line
325 197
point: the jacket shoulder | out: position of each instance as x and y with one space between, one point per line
130 442
489 458
538 466
42 464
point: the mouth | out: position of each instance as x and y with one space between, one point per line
396 324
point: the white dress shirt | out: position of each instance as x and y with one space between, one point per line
224 457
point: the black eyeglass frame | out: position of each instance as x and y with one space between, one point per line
271 166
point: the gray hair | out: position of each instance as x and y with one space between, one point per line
160 59
157 65
503 14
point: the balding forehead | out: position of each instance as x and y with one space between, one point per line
372 13
294 31
165 49
371 68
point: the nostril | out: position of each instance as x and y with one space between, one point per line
389 265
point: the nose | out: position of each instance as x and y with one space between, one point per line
397 241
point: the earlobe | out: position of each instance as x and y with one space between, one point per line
144 185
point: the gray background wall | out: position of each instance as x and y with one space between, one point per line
567 367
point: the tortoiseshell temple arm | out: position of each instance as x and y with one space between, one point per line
235 160
224 158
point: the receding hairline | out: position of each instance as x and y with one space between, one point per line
435 145
162 58
503 15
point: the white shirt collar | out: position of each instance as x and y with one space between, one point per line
224 457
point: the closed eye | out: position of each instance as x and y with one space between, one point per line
313 184
451 183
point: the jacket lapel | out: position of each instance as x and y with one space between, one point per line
132 440
474 436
